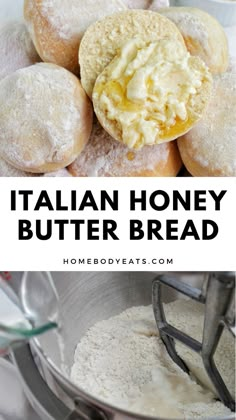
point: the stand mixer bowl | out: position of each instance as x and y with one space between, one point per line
84 299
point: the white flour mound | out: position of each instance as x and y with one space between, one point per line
122 361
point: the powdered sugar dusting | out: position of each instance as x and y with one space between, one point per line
17 49
103 156
32 131
72 17
190 25
7 170
213 139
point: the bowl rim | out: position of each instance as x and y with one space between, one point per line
89 398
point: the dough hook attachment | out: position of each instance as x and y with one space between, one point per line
218 296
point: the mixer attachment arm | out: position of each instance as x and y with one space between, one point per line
217 297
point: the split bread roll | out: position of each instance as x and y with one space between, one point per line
45 118
209 149
17 49
104 157
203 35
57 26
151 92
103 39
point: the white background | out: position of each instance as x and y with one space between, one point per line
217 254
189 255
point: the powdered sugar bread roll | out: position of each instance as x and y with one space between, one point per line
45 118
151 92
203 35
17 49
104 38
209 149
57 26
104 157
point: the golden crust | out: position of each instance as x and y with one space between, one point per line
57 26
49 45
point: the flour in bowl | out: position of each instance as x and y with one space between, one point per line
123 362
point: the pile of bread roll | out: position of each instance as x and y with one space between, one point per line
116 88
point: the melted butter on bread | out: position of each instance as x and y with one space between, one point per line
149 88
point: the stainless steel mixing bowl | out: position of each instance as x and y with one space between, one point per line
85 298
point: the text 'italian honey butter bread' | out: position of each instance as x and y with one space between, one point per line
57 26
151 92
209 149
103 39
45 118
203 35
104 157
17 49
